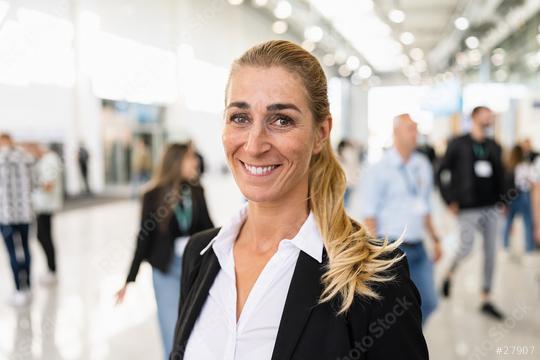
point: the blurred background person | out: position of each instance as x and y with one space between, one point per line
519 179
349 158
425 148
528 150
141 165
473 163
173 208
396 204
47 199
16 184
83 158
536 201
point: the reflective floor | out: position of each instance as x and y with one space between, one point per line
78 319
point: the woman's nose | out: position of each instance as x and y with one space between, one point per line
257 141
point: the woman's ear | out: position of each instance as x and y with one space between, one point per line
322 134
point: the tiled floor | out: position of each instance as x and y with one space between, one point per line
78 319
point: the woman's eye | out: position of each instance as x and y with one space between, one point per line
283 121
238 119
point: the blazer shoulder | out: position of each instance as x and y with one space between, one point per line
394 320
198 241
459 139
399 282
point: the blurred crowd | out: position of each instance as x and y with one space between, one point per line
481 183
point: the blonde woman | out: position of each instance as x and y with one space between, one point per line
291 276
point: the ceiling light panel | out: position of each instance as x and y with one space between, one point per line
363 29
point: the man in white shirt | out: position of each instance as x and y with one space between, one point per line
396 204
47 199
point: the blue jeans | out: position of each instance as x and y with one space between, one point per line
19 266
167 293
421 269
520 205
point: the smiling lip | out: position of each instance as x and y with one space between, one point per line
254 170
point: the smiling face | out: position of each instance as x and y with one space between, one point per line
269 135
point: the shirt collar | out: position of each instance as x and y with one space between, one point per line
395 157
308 239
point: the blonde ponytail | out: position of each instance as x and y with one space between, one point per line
356 260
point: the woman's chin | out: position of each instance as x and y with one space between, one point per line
259 196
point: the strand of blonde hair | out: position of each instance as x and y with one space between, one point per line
356 259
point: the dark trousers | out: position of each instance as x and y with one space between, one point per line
44 235
16 239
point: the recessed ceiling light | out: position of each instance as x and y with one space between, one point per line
283 10
498 57
344 70
461 23
365 72
396 16
353 62
260 3
329 60
472 42
236 2
313 33
280 27
475 57
356 79
407 38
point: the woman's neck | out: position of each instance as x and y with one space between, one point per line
269 223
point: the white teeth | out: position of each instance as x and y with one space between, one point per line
259 170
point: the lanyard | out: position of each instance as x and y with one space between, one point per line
184 210
479 151
412 188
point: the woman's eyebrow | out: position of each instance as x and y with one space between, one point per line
238 104
279 106
273 107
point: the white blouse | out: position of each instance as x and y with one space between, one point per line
216 335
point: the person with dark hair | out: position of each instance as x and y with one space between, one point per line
16 214
426 149
519 181
528 151
141 165
173 208
471 180
291 276
47 199
83 158
535 198
349 158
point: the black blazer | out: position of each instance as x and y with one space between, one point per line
155 243
385 329
459 160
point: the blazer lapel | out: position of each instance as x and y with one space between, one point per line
303 296
195 300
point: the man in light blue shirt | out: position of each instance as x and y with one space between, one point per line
396 203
